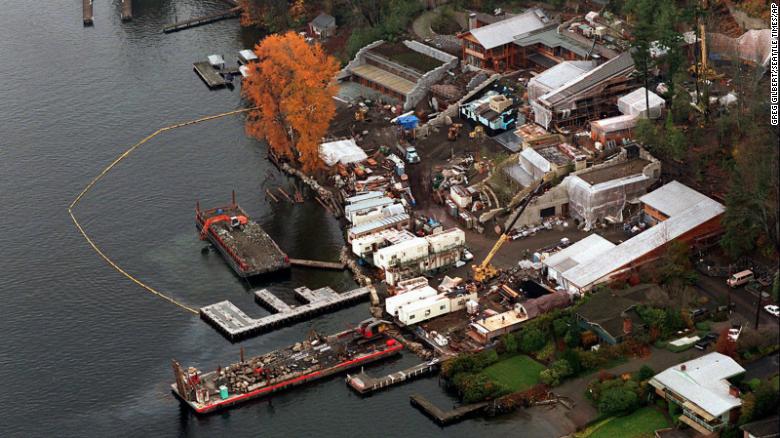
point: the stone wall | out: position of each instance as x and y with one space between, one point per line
430 78
358 60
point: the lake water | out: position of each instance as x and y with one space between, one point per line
84 351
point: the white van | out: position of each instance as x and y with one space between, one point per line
740 278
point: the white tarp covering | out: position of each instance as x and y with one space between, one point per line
216 61
592 203
635 103
341 151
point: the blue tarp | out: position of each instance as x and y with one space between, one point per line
408 122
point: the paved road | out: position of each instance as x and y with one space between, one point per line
745 301
763 368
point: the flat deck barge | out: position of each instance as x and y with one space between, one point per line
246 247
313 359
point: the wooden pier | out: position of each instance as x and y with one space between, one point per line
200 21
87 10
209 74
338 266
127 10
234 324
443 418
365 384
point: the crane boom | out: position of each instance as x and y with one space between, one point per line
485 271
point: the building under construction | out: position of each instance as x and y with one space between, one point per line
590 96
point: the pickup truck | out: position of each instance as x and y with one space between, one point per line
408 153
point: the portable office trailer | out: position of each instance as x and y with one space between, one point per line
394 303
401 253
423 310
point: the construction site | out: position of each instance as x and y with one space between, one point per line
478 194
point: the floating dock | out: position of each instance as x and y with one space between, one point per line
200 21
313 359
443 418
234 324
247 248
127 10
365 384
209 74
338 266
87 11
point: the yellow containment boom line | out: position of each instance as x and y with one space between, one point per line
105 171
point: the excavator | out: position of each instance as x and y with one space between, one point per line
235 221
485 271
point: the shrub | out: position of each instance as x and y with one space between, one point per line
573 359
645 373
509 341
618 400
547 352
532 340
703 326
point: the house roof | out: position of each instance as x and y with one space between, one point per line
550 37
767 428
323 20
645 242
673 198
580 252
387 221
620 65
554 77
703 382
504 31
606 308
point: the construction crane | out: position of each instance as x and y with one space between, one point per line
485 271
701 69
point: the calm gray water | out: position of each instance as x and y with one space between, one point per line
83 351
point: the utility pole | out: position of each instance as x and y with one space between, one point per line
758 309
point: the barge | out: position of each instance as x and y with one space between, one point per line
317 357
244 245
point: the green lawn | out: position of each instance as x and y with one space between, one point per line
641 424
515 373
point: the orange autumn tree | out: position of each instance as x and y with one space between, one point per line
292 87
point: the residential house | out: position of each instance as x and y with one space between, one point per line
323 26
611 314
491 46
701 389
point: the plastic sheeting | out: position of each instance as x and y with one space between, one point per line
635 103
341 151
592 203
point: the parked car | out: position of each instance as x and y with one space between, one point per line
740 278
711 336
702 344
773 310
467 256
698 313
734 332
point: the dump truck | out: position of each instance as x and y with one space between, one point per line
408 153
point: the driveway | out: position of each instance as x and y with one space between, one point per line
584 412
763 368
